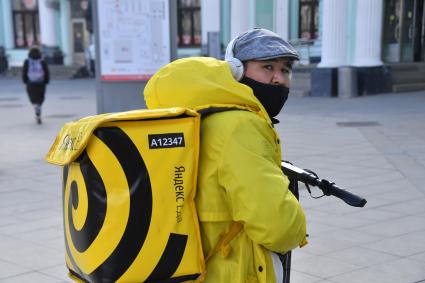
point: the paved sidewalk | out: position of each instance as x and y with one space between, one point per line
382 160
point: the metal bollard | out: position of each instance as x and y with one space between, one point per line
347 82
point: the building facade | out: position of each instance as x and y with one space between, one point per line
362 34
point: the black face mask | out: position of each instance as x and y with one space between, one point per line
272 97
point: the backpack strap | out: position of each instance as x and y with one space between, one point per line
223 245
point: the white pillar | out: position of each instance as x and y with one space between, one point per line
7 24
334 40
47 24
368 33
240 17
65 17
282 18
210 18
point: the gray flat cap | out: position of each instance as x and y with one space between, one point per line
262 44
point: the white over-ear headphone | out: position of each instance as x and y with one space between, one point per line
236 65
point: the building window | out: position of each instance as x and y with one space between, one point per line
309 19
189 23
25 23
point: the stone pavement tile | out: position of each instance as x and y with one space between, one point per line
349 236
314 228
23 207
57 243
301 254
419 257
376 179
8 269
361 256
34 257
59 271
11 220
383 187
395 227
378 214
29 226
405 245
404 194
400 271
323 267
36 214
33 276
410 168
21 196
10 243
337 220
412 207
376 201
381 141
337 240
41 236
360 147
368 161
300 277
338 206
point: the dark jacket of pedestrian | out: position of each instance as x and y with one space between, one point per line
36 89
35 75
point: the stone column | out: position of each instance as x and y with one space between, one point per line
282 18
65 16
210 22
368 33
7 24
334 39
324 79
240 17
6 42
373 76
50 48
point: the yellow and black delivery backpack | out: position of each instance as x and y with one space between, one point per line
129 181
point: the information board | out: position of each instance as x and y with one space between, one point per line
134 38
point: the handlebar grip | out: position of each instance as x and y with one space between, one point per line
346 196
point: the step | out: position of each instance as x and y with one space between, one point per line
406 67
408 87
408 77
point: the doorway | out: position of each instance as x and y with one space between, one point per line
79 41
404 31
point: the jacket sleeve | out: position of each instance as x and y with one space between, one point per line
257 189
46 72
25 72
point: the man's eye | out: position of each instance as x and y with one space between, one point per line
268 67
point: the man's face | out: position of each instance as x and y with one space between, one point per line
274 71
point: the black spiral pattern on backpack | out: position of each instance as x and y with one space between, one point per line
139 218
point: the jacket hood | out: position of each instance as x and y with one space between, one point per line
198 82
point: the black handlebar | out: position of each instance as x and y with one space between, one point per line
328 188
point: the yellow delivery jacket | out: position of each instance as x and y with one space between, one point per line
239 170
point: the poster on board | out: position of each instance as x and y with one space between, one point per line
134 38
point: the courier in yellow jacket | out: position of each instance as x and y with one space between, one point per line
239 178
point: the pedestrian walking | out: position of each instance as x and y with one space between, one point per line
35 75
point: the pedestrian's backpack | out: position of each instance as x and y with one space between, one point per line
35 71
129 181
